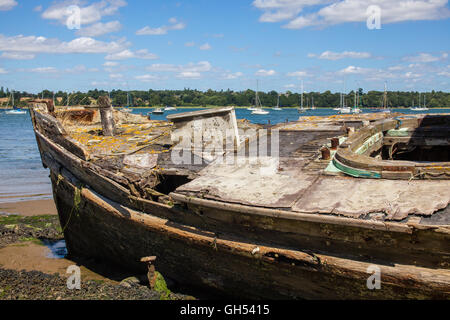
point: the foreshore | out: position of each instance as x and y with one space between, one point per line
33 265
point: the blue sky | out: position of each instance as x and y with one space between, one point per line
204 44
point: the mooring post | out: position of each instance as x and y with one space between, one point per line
334 143
151 275
107 116
326 154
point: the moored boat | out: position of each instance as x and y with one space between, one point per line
272 226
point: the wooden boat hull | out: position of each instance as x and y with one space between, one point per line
100 228
102 220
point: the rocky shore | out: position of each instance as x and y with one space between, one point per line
31 232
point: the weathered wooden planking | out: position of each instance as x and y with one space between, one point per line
107 230
53 129
359 197
379 240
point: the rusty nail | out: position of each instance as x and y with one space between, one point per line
334 143
151 275
326 154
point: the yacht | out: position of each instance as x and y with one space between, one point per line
168 108
15 111
277 108
158 111
258 110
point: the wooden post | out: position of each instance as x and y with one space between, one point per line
107 116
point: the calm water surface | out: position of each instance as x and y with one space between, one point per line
22 176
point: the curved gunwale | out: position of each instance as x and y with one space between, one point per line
136 202
347 158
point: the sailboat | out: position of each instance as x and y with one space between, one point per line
15 110
277 108
420 108
343 108
258 107
127 108
312 104
385 108
301 109
356 108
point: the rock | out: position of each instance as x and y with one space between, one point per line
130 282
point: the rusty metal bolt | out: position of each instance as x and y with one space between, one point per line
326 154
151 275
334 143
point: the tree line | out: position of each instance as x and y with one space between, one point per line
189 97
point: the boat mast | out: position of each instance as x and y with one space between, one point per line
302 97
12 98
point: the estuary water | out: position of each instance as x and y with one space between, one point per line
23 178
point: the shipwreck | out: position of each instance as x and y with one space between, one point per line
299 210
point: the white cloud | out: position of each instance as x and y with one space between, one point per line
128 54
188 71
333 12
330 55
174 25
89 14
44 70
147 78
33 44
290 86
206 46
425 58
298 74
189 75
38 8
189 44
265 73
99 29
17 56
110 64
354 70
232 76
281 10
3 71
116 76
202 66
6 5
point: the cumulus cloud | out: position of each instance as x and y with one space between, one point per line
205 47
354 70
174 25
298 74
6 5
89 13
265 73
330 55
232 76
33 44
99 29
147 78
17 56
188 71
425 58
333 12
128 54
